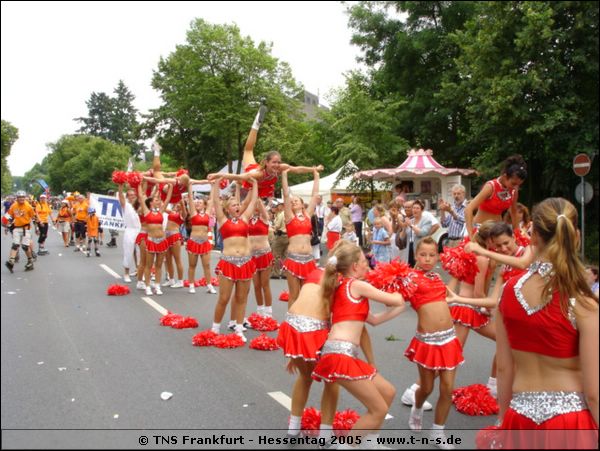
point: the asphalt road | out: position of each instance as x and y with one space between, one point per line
74 358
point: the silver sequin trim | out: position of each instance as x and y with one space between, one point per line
340 347
352 298
155 240
300 258
235 260
305 323
544 405
171 233
199 239
481 310
259 252
545 270
436 338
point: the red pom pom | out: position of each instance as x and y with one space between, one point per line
186 283
228 341
187 322
344 421
170 318
197 283
117 290
223 183
388 276
458 263
284 296
475 400
181 172
521 238
214 281
119 177
488 438
262 323
134 179
204 338
201 282
311 421
264 343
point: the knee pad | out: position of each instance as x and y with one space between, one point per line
14 247
25 247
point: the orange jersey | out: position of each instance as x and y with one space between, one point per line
22 213
64 214
80 210
92 226
43 211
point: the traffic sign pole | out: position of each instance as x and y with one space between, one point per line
582 219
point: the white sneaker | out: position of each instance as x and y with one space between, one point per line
415 421
210 289
178 284
158 291
168 283
408 399
192 289
140 285
126 278
438 438
148 291
242 336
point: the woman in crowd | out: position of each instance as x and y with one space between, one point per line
418 227
62 221
333 225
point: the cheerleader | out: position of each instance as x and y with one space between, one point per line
132 228
498 195
547 341
299 262
156 241
175 219
140 241
334 227
236 267
198 244
263 259
347 298
435 348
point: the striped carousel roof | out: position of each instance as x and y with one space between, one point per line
419 162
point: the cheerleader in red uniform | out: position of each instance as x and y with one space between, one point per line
236 267
299 262
175 219
435 348
263 259
347 298
547 341
498 195
198 244
156 241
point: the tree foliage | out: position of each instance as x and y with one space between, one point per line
84 163
10 134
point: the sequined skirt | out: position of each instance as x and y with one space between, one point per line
299 265
198 246
156 245
302 336
263 258
469 316
236 268
140 237
339 360
173 238
436 350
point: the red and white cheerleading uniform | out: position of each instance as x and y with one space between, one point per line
155 245
339 359
508 272
235 267
303 336
263 258
438 350
544 330
299 265
178 190
500 200
142 235
174 237
199 245
266 185
334 231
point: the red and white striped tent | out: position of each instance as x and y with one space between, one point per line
420 164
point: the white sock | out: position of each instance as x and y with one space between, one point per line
156 149
231 323
260 309
255 124
492 382
216 327
414 387
438 426
295 425
416 412
326 431
268 310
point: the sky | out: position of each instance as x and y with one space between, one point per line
55 54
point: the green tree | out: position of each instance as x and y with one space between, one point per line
211 87
38 171
113 118
84 163
10 134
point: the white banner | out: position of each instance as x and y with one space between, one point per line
108 210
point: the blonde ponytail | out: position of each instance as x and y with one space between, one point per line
339 261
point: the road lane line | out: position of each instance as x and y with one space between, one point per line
156 306
282 399
110 271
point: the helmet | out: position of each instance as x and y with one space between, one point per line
21 193
91 210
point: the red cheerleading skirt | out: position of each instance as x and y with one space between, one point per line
157 248
263 261
573 430
333 367
193 247
446 355
332 238
297 269
468 316
305 345
234 272
140 237
173 239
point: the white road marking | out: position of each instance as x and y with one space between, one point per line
282 399
110 271
156 306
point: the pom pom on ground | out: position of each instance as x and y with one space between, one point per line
311 421
169 319
344 421
488 438
214 281
204 338
264 343
119 177
262 323
228 341
284 296
187 322
117 290
475 400
200 282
